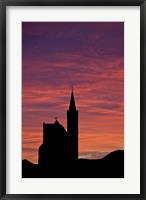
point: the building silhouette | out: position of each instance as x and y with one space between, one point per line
58 144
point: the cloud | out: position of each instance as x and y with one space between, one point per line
89 56
93 155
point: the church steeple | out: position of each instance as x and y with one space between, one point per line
72 127
72 105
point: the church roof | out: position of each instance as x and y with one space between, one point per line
55 126
56 122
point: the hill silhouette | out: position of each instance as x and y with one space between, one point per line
111 166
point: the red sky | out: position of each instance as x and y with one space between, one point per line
88 55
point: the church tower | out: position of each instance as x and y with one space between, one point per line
72 127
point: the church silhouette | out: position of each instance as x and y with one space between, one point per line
59 144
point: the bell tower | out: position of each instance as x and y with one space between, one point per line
72 127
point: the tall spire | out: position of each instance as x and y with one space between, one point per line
72 105
72 127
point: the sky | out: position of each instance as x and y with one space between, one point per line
87 55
